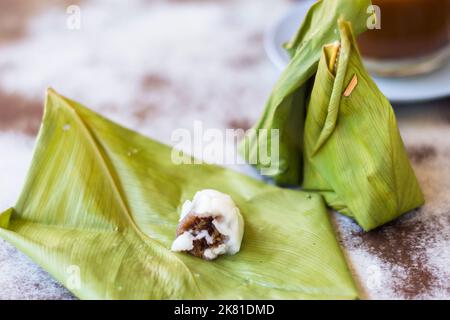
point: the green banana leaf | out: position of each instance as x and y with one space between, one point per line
105 201
353 152
285 108
346 148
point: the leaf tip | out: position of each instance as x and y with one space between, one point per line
53 99
50 92
5 218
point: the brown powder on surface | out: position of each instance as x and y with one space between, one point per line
144 111
256 38
239 123
400 243
18 113
245 61
421 153
154 81
15 14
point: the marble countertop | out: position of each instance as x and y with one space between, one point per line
155 66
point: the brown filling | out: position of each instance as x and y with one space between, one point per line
195 225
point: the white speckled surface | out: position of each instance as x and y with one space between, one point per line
156 66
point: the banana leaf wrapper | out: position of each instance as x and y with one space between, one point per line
285 109
353 153
347 148
105 201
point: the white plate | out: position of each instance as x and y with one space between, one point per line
408 89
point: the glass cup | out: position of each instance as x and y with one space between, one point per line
412 37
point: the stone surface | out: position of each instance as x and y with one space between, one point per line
156 66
